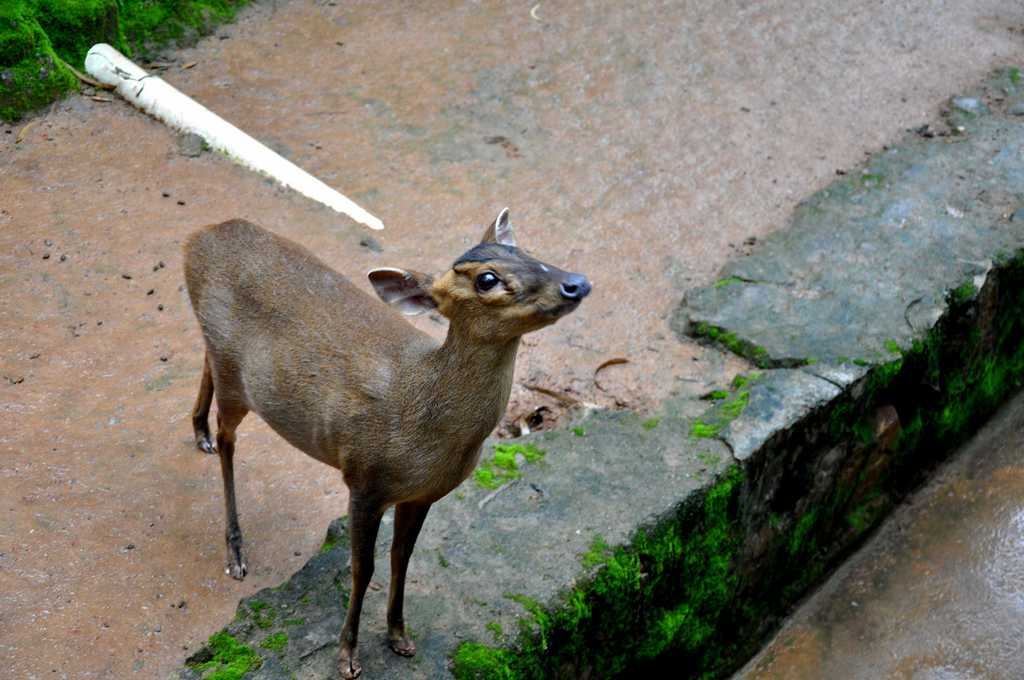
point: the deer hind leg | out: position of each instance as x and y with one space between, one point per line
364 521
408 522
201 411
228 418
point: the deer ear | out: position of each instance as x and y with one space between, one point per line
500 231
409 291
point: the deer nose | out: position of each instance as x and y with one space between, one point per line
575 287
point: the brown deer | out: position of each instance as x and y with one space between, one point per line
348 381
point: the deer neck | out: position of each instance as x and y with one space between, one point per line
470 381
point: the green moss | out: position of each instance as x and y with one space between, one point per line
871 180
893 347
1013 73
263 614
73 26
474 661
662 593
729 406
744 348
715 395
441 560
502 467
225 658
702 430
275 642
579 431
35 35
963 292
30 73
799 539
722 283
598 552
299 621
650 423
329 543
495 628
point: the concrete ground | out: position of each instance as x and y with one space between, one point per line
936 592
644 147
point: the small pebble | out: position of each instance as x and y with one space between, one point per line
46 256
159 308
127 277
165 194
150 291
63 258
181 202
968 104
47 242
163 358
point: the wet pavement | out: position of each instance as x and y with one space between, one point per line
642 146
937 593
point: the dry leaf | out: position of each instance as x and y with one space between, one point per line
24 132
188 65
611 362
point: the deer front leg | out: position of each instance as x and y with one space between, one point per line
364 521
408 522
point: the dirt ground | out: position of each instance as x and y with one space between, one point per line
642 146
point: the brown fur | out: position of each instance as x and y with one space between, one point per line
345 379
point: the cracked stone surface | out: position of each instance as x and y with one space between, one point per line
871 258
779 399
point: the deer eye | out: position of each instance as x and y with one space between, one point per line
486 281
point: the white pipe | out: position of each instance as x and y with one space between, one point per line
156 97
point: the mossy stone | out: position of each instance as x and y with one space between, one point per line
30 73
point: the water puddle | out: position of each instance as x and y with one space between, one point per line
937 593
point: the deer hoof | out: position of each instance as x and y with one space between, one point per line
349 667
402 646
204 444
236 571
